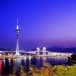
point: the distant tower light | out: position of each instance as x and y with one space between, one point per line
38 51
38 48
44 48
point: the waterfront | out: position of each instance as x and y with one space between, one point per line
33 66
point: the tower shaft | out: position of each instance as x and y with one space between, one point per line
17 43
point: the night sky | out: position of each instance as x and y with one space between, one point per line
50 23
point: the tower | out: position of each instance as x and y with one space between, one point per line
38 51
44 51
17 38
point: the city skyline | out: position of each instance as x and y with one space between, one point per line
49 23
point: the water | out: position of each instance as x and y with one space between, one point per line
9 66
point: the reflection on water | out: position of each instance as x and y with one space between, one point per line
13 66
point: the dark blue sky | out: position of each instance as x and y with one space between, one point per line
42 22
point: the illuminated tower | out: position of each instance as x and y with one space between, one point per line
17 39
44 51
38 51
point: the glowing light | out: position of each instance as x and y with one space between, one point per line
44 48
30 57
38 48
17 53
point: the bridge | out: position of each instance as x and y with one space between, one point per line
38 53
